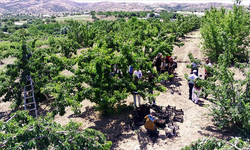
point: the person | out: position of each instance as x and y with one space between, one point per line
117 71
138 74
158 63
150 80
171 68
135 93
163 65
195 72
29 55
131 70
141 67
191 79
168 58
207 73
150 122
196 89
195 65
139 98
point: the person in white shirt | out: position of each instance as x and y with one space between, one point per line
138 74
206 72
191 79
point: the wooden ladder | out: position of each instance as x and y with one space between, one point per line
29 99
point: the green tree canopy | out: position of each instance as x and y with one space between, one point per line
24 132
226 30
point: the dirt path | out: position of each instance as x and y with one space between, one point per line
196 122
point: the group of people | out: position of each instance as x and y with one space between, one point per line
162 64
139 75
165 64
194 92
194 88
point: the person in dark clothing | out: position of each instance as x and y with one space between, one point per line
131 70
29 55
195 65
168 58
171 68
207 74
158 63
118 71
163 65
150 80
141 67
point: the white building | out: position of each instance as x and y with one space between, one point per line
157 15
46 16
18 23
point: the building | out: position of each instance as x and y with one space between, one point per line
46 16
103 16
18 23
157 15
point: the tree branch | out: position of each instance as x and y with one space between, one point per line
11 118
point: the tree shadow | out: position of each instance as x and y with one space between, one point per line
175 85
43 111
113 127
181 61
121 137
189 37
89 111
144 138
6 115
213 131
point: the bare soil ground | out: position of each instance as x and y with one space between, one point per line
7 61
196 123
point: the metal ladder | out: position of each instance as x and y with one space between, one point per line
29 99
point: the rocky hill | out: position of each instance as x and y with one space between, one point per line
58 6
39 6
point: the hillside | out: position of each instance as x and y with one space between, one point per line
32 7
39 6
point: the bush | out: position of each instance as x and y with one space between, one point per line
212 144
39 43
25 132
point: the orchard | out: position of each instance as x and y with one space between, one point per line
91 51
